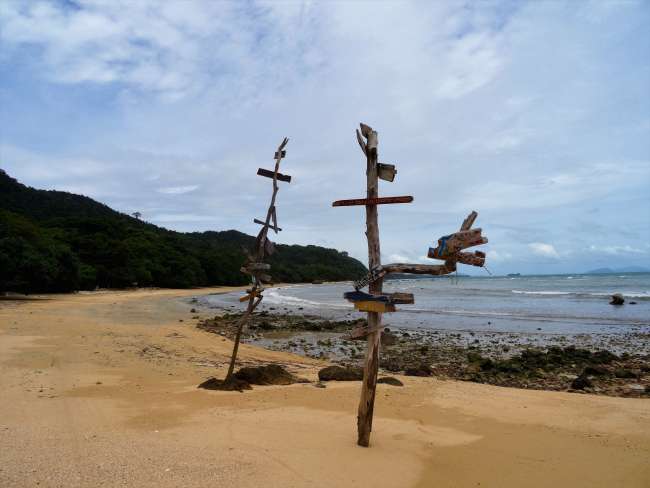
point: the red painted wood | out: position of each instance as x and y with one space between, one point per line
372 201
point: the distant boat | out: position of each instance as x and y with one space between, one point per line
513 275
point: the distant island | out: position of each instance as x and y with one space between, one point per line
54 241
627 269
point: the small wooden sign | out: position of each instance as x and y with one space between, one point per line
386 172
280 154
373 306
271 174
372 201
261 222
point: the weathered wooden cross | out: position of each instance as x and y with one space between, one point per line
375 302
255 265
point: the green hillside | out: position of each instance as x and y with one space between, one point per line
52 241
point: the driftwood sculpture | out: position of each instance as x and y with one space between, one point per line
255 265
375 302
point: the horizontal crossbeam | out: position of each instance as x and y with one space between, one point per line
270 174
372 201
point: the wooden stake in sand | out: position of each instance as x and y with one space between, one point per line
255 265
375 303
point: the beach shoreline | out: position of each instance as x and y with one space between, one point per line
100 388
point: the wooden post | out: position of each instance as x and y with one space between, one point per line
263 247
371 365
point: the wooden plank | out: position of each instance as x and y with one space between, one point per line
374 306
359 296
261 222
279 154
386 172
271 174
372 201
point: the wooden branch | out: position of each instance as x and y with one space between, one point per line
428 269
365 129
361 143
469 221
272 175
371 201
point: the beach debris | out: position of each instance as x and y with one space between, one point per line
255 265
375 302
390 380
581 382
272 374
341 373
617 299
421 370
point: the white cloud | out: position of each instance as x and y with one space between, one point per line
619 250
178 190
543 249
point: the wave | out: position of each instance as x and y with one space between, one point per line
626 294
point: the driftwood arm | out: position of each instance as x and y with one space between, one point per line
429 269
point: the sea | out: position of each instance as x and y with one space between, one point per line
550 304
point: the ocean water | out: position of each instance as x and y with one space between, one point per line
552 304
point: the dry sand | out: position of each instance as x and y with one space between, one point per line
100 389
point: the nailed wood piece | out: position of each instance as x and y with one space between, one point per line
362 144
399 298
469 221
261 222
372 201
477 258
374 306
386 172
271 174
280 154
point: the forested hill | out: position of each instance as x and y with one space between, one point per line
53 241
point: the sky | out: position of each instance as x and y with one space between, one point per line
534 114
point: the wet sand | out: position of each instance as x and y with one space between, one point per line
99 389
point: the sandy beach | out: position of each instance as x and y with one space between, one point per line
99 389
